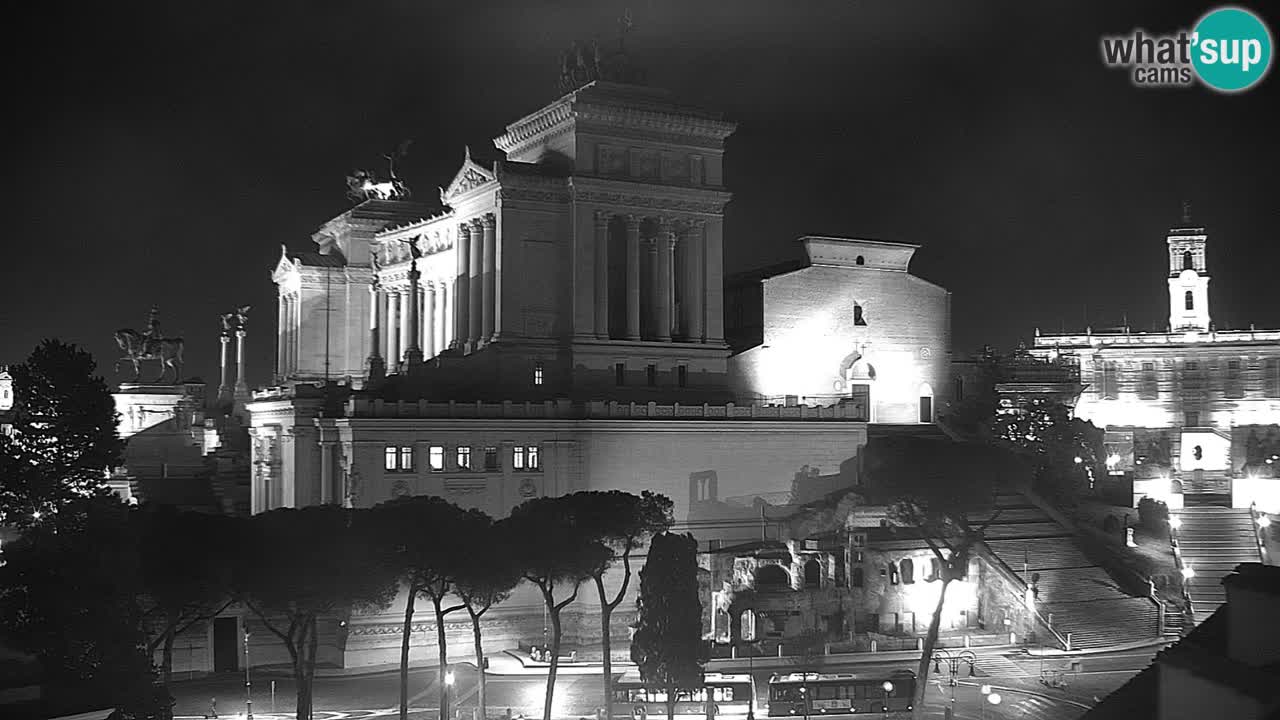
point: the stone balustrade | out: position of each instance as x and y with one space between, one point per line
1146 338
595 410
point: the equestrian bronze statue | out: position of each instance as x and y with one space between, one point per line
139 347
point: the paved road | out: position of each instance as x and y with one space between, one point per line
1014 675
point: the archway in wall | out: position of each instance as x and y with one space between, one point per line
772 577
812 574
856 378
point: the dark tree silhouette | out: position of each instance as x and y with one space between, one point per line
421 536
621 522
69 594
668 646
552 550
299 565
932 489
64 435
186 573
486 580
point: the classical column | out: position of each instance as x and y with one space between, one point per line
385 328
691 301
602 274
461 290
664 244
402 322
375 368
443 316
293 333
393 328
633 277
242 387
281 326
475 285
326 471
713 290
429 319
489 225
223 389
413 321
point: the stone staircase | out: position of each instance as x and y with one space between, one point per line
1075 595
1213 541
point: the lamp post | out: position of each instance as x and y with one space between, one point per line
248 686
953 666
887 686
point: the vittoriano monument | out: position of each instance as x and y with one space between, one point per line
150 345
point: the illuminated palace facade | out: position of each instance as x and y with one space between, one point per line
1193 410
561 325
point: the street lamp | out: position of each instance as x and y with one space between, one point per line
448 694
888 688
1188 572
953 665
248 686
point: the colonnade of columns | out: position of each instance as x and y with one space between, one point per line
394 311
290 318
678 257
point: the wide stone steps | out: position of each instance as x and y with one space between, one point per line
1212 542
1024 530
1040 553
1104 622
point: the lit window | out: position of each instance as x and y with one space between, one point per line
524 457
534 461
398 458
491 458
389 459
436 456
517 457
406 459
464 458
537 373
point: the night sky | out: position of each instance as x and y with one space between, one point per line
165 150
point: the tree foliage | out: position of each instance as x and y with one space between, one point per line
554 547
64 435
299 565
933 489
69 594
1065 451
487 580
667 646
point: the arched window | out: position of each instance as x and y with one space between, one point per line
859 261
857 578
772 577
858 319
812 574
1190 302
908 570
1188 261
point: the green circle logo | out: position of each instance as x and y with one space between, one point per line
1231 49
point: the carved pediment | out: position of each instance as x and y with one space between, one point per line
470 176
285 267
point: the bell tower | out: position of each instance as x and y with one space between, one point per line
1188 276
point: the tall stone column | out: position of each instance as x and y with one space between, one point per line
375 367
326 471
242 387
489 277
223 388
443 315
385 328
462 288
714 274
602 274
429 319
664 244
475 283
393 328
633 277
691 303
402 322
293 334
413 321
281 338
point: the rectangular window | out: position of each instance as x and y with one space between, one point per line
1149 385
957 393
531 456
1233 387
464 458
491 458
651 374
1271 377
436 458
1192 366
682 375
620 374
537 373
1110 382
517 457
398 458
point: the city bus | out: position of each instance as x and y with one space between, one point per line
826 694
722 696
